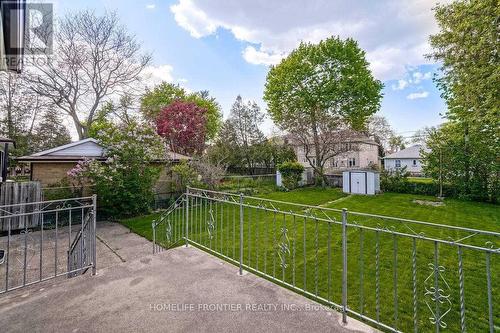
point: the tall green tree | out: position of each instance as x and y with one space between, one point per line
50 132
319 91
245 119
467 48
161 96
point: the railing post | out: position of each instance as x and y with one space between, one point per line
94 227
187 215
344 266
241 233
153 225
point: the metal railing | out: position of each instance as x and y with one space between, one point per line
399 275
51 239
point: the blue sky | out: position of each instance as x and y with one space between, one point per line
226 46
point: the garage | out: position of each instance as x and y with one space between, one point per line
361 182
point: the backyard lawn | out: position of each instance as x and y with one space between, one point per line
380 264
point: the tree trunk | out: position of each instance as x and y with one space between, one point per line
318 167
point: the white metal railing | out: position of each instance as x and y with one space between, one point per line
397 274
47 239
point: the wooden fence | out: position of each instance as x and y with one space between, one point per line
13 193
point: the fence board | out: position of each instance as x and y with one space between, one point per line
12 193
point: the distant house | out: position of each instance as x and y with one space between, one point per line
5 145
410 158
51 166
360 153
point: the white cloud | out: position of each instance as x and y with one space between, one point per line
256 57
154 75
394 33
419 77
401 85
193 19
151 6
418 95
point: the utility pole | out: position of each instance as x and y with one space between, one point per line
440 171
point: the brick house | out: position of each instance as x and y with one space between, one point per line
51 166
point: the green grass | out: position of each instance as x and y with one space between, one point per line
468 214
421 180
141 225
306 196
315 265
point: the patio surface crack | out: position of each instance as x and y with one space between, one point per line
109 247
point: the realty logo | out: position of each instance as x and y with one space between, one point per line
27 28
39 28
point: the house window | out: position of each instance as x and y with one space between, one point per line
414 163
352 162
398 163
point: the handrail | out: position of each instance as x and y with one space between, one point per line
86 221
46 202
168 211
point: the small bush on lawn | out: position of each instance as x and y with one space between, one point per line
291 173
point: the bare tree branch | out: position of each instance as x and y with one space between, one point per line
95 61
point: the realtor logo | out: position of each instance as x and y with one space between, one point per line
26 29
39 28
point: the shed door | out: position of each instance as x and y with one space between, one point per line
358 183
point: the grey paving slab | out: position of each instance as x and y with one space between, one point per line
180 290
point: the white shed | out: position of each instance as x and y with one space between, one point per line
361 182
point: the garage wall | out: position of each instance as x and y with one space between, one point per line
50 173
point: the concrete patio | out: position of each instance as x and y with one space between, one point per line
180 290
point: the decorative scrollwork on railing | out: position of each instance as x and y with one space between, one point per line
437 295
491 246
168 231
390 229
284 248
211 224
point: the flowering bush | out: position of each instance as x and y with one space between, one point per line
124 181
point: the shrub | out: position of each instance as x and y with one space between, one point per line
124 182
186 175
398 181
211 174
291 173
61 190
395 180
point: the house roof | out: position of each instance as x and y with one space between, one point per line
76 151
410 152
60 149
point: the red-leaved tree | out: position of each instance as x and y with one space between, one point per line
183 126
